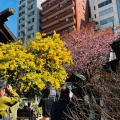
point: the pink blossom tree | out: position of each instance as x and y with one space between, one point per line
89 50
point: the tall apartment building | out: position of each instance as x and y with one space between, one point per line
61 14
28 18
106 12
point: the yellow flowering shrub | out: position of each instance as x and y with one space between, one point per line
15 64
50 56
31 66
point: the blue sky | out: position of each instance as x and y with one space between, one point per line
12 23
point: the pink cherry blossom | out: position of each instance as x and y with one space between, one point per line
89 50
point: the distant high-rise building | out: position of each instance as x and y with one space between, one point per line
61 14
106 12
28 18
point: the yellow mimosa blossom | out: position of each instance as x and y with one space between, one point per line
42 60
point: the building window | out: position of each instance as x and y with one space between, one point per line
22 26
20 8
31 14
105 12
95 15
20 14
94 8
106 21
104 3
18 34
32 19
30 36
20 2
30 28
32 6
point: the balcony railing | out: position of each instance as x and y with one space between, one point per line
52 6
60 26
58 11
58 18
47 2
